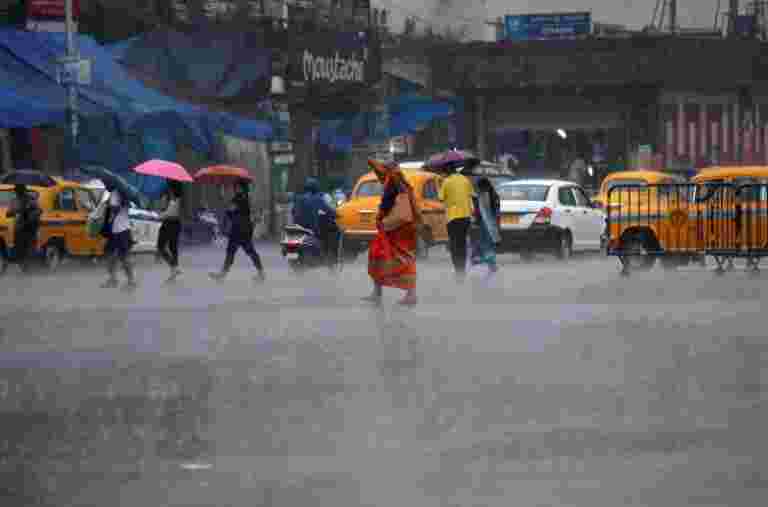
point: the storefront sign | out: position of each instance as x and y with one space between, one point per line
281 147
76 71
284 159
329 60
333 68
548 26
51 9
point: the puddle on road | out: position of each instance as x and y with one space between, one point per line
79 420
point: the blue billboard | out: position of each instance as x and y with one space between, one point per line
547 26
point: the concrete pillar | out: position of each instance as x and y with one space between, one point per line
5 148
673 16
304 148
465 128
733 11
481 127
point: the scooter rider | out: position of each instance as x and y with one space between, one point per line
311 211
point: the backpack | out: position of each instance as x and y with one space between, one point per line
97 219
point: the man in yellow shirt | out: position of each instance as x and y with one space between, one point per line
456 193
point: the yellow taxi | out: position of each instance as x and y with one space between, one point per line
635 178
713 215
655 217
65 208
357 216
734 200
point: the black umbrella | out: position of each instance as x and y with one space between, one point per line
109 178
451 159
29 178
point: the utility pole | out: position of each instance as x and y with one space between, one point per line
72 56
673 16
733 12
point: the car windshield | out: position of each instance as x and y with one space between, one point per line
370 189
522 192
6 196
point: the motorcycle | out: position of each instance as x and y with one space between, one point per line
304 250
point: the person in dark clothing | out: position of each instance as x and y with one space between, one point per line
240 233
170 230
312 212
25 210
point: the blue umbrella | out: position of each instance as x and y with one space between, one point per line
111 179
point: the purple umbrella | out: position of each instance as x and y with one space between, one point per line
451 159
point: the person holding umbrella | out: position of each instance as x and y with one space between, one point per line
117 229
117 225
24 208
240 232
170 230
457 192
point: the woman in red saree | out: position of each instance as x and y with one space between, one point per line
392 254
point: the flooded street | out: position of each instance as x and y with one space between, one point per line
551 384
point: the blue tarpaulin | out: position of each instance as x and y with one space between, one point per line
30 96
408 113
212 64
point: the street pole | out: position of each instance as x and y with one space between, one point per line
673 16
72 112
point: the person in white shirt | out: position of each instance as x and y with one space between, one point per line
119 239
170 230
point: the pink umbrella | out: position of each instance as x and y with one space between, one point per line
164 169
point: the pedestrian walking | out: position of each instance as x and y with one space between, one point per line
240 233
487 236
26 212
170 230
117 229
392 253
456 192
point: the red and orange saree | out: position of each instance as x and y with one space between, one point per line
392 254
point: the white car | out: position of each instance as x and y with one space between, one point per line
548 216
145 224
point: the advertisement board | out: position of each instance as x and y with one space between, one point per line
331 60
547 26
51 9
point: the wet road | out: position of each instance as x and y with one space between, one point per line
550 384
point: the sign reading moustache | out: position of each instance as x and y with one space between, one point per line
333 68
330 60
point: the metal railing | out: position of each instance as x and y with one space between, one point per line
665 216
722 220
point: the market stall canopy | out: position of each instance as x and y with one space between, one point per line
31 96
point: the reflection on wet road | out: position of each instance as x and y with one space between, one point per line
550 384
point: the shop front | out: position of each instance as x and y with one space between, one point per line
326 73
559 108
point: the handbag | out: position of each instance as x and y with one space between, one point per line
400 214
96 220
